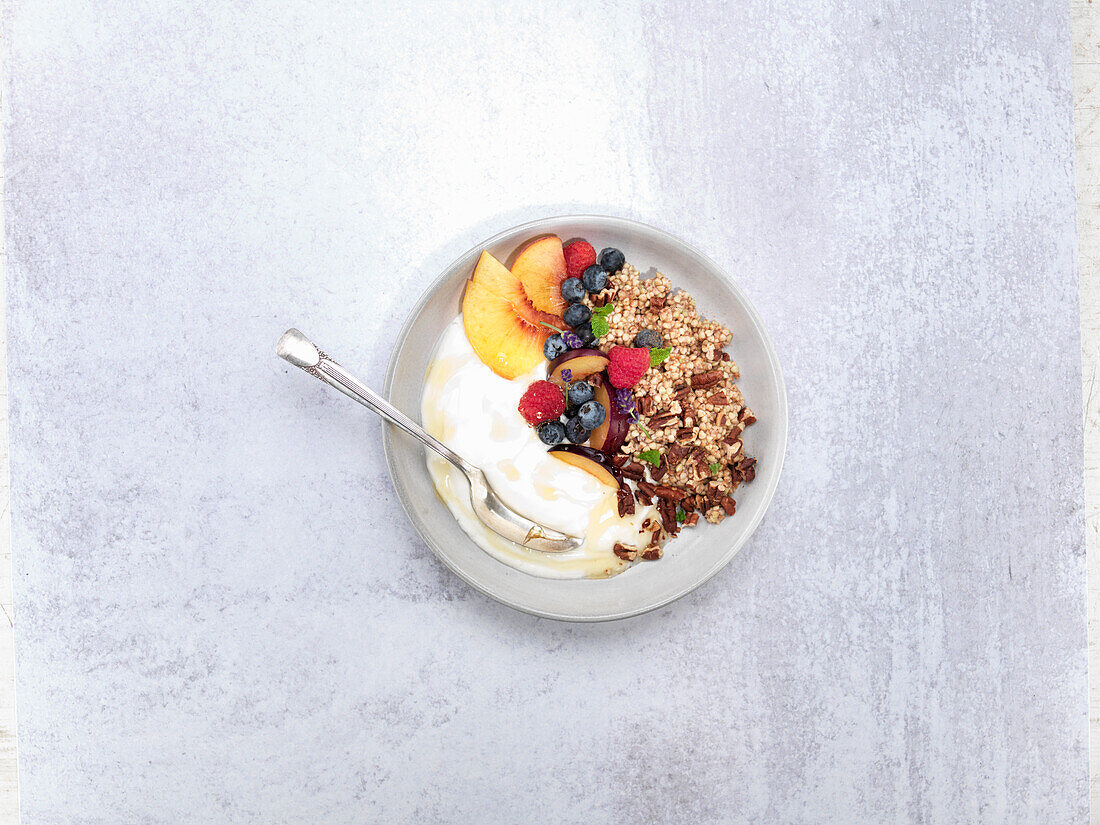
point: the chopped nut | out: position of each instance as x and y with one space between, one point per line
670 493
633 470
625 502
704 380
662 420
624 552
691 520
718 399
652 553
728 504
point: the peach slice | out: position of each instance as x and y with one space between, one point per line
593 462
506 343
581 363
611 434
541 269
494 275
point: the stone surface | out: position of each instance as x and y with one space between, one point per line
221 620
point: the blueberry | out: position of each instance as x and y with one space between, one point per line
612 259
551 432
575 431
647 338
584 332
555 345
579 392
576 314
594 278
572 290
591 414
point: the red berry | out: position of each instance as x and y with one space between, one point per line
628 365
542 401
579 255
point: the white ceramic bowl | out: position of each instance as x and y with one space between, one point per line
692 557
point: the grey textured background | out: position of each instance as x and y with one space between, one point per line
903 639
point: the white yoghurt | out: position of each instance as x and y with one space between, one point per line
474 412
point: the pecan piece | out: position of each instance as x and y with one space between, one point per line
633 470
725 356
662 420
652 553
645 405
691 520
677 453
718 399
704 380
728 504
680 390
670 493
657 473
619 460
625 502
647 488
685 433
657 301
747 417
624 552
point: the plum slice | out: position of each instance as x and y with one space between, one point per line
592 461
611 434
581 363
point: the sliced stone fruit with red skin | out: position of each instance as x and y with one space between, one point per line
505 342
597 464
581 363
541 269
611 434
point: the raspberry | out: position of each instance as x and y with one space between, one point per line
542 401
579 255
628 365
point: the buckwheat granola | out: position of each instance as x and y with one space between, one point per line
689 410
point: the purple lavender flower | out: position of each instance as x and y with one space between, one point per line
624 400
567 376
572 339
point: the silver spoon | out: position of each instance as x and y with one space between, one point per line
301 352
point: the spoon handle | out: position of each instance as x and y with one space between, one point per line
296 349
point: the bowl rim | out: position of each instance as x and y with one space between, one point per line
781 419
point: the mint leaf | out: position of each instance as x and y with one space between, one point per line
680 515
600 327
657 355
604 311
714 467
652 456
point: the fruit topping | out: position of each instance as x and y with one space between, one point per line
611 259
579 255
580 364
594 278
551 432
579 392
576 314
542 401
575 431
591 415
507 344
611 434
541 269
572 290
628 365
594 462
647 338
585 334
555 345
